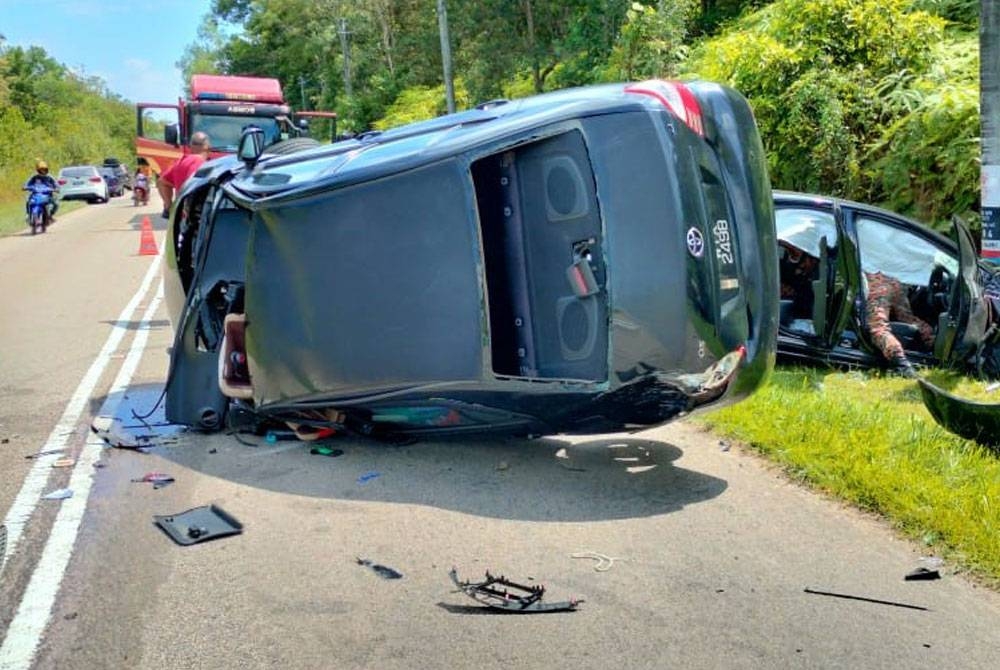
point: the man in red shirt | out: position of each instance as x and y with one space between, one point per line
173 178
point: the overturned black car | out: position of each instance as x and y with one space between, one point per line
590 260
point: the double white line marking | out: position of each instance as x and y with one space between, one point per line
25 631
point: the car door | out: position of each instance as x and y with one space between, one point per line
962 328
837 285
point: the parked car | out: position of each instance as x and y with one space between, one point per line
584 261
122 172
840 242
82 182
114 181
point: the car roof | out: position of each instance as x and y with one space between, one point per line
797 198
375 154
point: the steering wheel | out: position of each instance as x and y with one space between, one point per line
939 285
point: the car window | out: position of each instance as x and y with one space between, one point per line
85 171
804 227
900 253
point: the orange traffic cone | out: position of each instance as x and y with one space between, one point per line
147 243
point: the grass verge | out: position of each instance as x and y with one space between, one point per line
867 438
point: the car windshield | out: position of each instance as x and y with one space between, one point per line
77 172
224 131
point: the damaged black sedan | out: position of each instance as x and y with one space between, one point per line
585 261
831 252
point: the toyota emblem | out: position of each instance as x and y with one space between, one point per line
695 242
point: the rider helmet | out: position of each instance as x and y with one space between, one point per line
42 167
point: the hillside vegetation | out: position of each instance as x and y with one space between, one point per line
48 112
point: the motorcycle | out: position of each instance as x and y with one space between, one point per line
140 190
39 203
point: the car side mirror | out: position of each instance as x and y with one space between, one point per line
171 134
251 145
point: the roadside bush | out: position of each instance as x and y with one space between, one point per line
419 103
926 162
840 92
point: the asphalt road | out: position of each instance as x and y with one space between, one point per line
714 549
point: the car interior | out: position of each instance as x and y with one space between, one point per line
806 236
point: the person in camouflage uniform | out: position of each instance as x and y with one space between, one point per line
886 301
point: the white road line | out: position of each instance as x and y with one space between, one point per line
25 631
31 490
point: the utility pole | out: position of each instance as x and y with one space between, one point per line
346 51
989 110
449 89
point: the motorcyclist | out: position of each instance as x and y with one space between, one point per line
42 176
140 182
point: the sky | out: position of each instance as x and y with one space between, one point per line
133 45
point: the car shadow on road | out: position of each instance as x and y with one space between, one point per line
550 479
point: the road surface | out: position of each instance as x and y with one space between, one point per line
714 550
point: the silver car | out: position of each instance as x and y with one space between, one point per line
82 182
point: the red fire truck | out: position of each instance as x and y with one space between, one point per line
220 106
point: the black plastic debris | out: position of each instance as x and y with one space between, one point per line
502 594
382 571
157 479
867 600
922 574
199 524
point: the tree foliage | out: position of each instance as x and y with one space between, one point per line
49 112
860 98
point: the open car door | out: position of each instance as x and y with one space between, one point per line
962 328
837 284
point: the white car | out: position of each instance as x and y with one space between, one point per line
82 182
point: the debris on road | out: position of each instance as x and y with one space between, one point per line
158 479
563 459
604 562
502 594
48 452
867 600
273 436
382 571
64 462
58 494
326 451
724 445
198 524
922 574
117 433
368 476
503 465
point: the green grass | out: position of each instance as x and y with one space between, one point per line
12 215
867 438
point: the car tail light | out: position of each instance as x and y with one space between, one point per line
61 182
96 180
676 97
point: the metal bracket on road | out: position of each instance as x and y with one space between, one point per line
502 594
